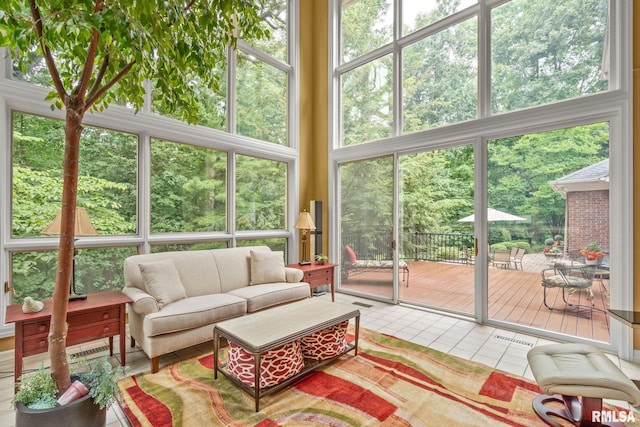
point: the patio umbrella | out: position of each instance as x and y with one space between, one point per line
494 215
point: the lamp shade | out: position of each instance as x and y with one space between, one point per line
83 226
305 222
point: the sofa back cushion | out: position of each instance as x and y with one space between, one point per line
234 266
197 270
161 279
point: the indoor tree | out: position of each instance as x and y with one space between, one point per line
100 52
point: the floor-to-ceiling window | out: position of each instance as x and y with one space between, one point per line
148 181
538 93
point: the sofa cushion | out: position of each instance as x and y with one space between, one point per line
268 295
162 281
191 313
267 267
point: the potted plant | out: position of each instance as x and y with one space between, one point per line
38 402
321 259
552 248
94 59
592 252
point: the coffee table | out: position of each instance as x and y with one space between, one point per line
266 330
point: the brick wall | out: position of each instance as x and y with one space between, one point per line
587 219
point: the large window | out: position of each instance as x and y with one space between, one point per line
107 182
188 188
540 52
149 181
522 104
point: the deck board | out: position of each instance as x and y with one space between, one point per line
515 296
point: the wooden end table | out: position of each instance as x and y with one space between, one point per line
101 315
317 275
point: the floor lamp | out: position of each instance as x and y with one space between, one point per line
304 223
83 227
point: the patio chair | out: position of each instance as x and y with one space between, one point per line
501 259
517 258
570 278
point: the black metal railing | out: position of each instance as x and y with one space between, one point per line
419 246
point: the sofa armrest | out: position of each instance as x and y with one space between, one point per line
293 275
142 302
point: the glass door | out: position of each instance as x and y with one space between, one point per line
548 194
366 228
437 244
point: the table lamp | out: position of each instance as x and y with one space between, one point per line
304 223
83 227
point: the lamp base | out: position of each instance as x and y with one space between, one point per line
76 297
304 263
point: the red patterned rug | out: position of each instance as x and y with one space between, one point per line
391 383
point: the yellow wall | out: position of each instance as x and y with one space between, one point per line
314 100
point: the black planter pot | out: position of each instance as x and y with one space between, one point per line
80 413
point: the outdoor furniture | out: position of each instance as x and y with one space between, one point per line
567 372
569 278
351 264
517 257
501 259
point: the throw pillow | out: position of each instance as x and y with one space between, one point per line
267 267
162 281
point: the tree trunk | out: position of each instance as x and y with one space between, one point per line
58 328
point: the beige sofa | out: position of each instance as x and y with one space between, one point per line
179 296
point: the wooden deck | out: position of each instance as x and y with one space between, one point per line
514 296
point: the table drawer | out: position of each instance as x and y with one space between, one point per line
93 332
36 328
74 320
323 276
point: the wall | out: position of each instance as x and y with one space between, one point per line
314 105
588 216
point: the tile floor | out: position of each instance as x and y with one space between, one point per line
503 349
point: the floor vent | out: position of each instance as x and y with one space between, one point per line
361 304
513 340
91 351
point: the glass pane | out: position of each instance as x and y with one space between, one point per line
436 246
367 101
557 183
366 26
212 104
274 15
34 71
276 244
188 188
546 51
262 100
418 14
107 183
34 273
261 190
366 227
172 247
440 78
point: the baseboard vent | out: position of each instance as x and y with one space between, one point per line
513 340
91 351
361 304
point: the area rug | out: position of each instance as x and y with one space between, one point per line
391 382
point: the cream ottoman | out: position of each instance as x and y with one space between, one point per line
568 372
